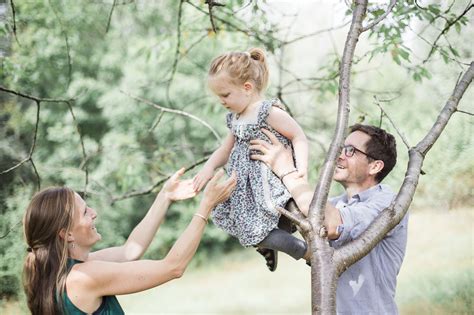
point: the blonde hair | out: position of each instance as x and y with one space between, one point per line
243 67
44 272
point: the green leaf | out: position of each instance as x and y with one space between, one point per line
458 27
404 54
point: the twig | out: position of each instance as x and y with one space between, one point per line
110 16
291 41
84 155
174 67
380 18
405 141
12 6
11 229
174 111
434 46
148 190
66 38
211 4
464 112
32 148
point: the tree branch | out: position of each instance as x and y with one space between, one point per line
146 191
84 154
348 254
211 4
434 46
297 218
464 112
318 203
405 141
66 38
12 6
174 111
110 16
380 18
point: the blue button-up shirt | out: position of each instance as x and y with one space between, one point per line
368 286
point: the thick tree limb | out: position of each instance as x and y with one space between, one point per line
318 203
323 270
348 254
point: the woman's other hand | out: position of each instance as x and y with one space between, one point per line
176 189
217 192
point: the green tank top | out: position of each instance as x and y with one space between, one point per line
109 306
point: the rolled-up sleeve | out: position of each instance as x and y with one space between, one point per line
357 216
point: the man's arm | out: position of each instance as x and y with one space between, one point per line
280 160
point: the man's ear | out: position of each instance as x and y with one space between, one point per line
375 167
68 237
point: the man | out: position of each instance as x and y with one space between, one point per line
368 155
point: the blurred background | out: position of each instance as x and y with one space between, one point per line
110 98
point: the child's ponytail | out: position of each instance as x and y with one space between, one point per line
243 67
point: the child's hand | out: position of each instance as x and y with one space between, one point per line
202 177
175 189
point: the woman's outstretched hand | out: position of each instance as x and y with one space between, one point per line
176 189
274 154
217 192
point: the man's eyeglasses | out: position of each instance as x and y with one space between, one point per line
349 151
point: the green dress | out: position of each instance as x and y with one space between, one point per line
110 305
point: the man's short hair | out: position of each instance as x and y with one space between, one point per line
382 145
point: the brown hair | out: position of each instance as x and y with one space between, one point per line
382 146
249 66
44 272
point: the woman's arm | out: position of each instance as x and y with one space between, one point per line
142 235
99 278
279 120
217 159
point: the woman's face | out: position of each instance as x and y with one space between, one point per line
83 229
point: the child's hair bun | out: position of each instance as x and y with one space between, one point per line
257 54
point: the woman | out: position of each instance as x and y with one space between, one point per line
61 275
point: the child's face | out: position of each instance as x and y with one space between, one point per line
234 97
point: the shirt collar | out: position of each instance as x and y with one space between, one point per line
366 194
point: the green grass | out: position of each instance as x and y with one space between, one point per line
437 277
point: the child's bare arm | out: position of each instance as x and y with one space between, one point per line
279 120
217 159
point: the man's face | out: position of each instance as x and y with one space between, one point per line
353 171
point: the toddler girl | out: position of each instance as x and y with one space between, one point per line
239 80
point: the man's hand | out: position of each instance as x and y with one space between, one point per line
274 154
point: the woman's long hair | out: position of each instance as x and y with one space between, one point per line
44 273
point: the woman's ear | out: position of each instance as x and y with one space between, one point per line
68 237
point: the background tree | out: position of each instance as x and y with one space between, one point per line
110 97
